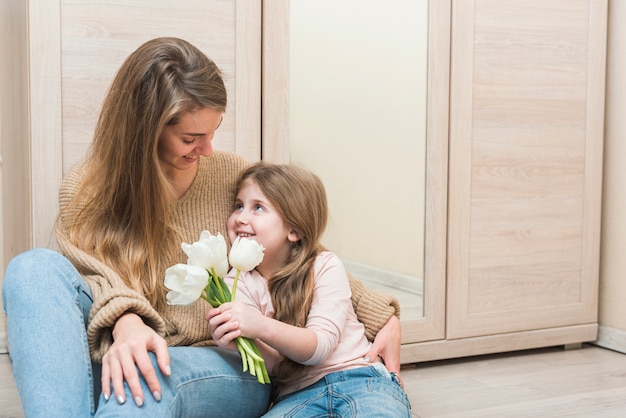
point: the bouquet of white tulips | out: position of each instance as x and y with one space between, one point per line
202 276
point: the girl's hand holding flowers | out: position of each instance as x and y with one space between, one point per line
202 276
231 317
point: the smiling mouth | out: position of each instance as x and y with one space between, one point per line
242 235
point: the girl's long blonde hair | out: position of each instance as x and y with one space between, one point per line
125 200
300 198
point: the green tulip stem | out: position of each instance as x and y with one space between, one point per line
242 352
214 277
232 296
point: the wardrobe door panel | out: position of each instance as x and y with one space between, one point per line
526 126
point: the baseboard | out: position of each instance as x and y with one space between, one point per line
370 274
497 343
611 338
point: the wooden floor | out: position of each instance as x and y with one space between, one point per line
552 382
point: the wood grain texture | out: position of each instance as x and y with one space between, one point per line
525 164
547 382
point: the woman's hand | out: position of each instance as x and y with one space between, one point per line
132 339
387 345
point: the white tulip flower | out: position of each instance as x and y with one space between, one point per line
208 252
245 254
221 270
186 283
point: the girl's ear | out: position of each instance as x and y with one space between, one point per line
293 235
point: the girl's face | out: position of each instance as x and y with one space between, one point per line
182 143
256 218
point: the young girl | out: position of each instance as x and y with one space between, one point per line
297 303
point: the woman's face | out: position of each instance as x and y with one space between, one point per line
181 144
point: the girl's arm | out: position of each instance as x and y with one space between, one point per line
236 319
308 345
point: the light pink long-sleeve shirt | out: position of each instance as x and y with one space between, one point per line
341 341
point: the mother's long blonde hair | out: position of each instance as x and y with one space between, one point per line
299 197
125 201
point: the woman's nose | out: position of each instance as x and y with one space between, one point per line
205 148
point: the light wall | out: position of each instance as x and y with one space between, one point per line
612 315
358 119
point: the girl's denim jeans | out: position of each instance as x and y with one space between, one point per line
361 393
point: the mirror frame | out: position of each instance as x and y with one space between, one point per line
275 148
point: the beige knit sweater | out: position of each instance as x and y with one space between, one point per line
206 205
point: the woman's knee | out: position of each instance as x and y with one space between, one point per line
20 269
31 263
38 272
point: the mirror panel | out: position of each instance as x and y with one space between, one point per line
357 118
276 143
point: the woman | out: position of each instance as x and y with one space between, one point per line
150 181
296 304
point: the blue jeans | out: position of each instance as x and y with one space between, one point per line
47 303
363 392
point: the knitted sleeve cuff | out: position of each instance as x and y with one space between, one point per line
106 312
372 308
